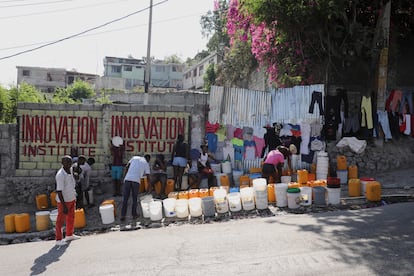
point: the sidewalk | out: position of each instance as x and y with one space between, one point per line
397 186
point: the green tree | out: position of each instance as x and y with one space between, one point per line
173 59
210 77
79 90
5 104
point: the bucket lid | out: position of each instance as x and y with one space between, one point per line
293 190
42 213
332 185
367 179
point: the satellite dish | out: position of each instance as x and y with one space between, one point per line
117 141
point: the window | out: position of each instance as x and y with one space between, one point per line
128 68
201 70
159 69
116 68
195 72
26 73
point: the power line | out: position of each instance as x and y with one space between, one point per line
60 10
35 4
103 32
80 33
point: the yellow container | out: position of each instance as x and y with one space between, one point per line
110 201
157 187
22 222
173 195
42 220
143 185
203 193
80 220
53 201
224 180
244 181
271 197
41 202
169 187
183 195
293 185
341 162
302 176
9 226
352 171
373 191
212 189
193 193
255 170
313 168
354 187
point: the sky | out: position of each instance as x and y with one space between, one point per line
29 24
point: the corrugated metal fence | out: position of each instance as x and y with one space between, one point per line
243 107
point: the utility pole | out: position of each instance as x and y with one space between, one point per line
383 60
148 67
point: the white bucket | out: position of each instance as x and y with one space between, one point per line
216 167
194 205
343 176
247 198
261 199
220 201
334 195
181 208
53 216
306 196
169 207
107 213
226 167
145 205
155 210
293 200
184 182
236 177
281 194
286 179
234 202
90 193
260 184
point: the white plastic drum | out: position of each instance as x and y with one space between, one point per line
107 213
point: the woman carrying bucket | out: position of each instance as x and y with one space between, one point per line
274 162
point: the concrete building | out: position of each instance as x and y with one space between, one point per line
193 75
48 79
128 73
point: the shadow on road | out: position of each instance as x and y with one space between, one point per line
378 238
53 255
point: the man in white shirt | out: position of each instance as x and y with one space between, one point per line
136 169
66 201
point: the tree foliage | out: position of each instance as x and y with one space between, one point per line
74 93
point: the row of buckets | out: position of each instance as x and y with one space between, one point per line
20 223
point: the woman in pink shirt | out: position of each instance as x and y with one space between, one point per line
274 161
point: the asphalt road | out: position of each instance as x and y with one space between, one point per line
376 241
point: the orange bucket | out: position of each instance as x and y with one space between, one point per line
157 187
352 171
313 168
80 220
224 180
341 162
193 193
170 186
41 202
271 197
53 199
22 222
183 195
110 201
293 185
203 193
9 226
302 176
373 191
311 176
354 187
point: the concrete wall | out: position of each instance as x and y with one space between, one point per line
31 150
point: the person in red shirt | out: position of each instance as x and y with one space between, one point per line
274 162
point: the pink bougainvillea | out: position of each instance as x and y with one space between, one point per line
283 59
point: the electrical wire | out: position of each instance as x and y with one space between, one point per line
104 32
80 33
60 10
